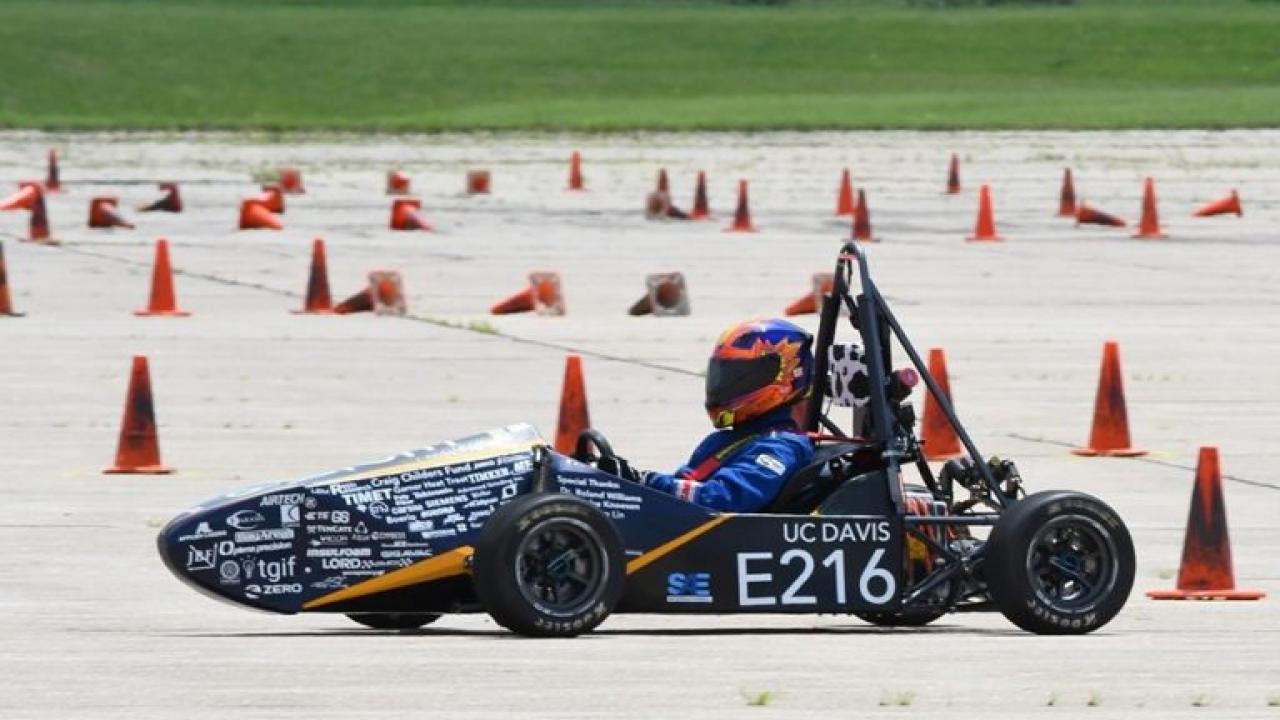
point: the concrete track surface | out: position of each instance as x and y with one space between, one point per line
93 626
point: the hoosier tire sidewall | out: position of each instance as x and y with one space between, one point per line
1008 580
494 567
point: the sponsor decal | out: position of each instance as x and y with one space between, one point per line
203 532
268 535
340 552
289 514
201 558
281 500
246 520
689 587
333 582
771 463
255 591
276 570
226 548
229 572
841 532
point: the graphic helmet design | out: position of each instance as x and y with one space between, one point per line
758 366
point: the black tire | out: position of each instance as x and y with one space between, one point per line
1059 563
394 621
548 565
915 617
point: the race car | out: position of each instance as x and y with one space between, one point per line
551 545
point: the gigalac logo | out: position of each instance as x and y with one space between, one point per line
246 520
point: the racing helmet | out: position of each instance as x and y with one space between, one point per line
758 366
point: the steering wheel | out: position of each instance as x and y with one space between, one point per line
589 439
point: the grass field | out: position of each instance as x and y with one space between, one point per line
439 66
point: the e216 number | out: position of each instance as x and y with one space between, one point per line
872 579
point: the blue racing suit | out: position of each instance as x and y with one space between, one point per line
740 469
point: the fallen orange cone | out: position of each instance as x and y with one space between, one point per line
138 451
658 206
291 181
742 216
812 302
985 229
936 433
255 216
844 197
318 300
1149 228
666 296
862 219
170 202
397 183
383 296
953 176
24 199
542 296
573 417
1088 215
1229 204
53 180
163 300
6 303
1067 198
1206 572
1110 434
575 171
405 215
272 198
478 182
701 208
104 212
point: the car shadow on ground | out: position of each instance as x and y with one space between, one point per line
868 630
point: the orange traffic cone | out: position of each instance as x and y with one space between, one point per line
985 230
478 182
666 296
52 182
104 212
405 215
6 303
936 434
1110 435
24 199
844 198
170 202
862 219
575 171
163 300
272 198
1229 204
255 216
138 452
1067 200
291 181
701 208
953 176
1149 228
397 183
808 304
573 417
664 186
318 300
384 295
742 216
1088 215
543 297
38 228
1206 572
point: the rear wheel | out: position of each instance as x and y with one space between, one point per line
394 621
1060 563
548 565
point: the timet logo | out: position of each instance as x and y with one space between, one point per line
694 587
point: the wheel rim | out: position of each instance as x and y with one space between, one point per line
560 566
1071 563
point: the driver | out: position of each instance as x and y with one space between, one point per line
758 371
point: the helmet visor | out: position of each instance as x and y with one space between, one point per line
730 379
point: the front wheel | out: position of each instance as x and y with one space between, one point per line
548 565
394 621
1060 563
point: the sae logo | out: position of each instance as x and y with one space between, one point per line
694 587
